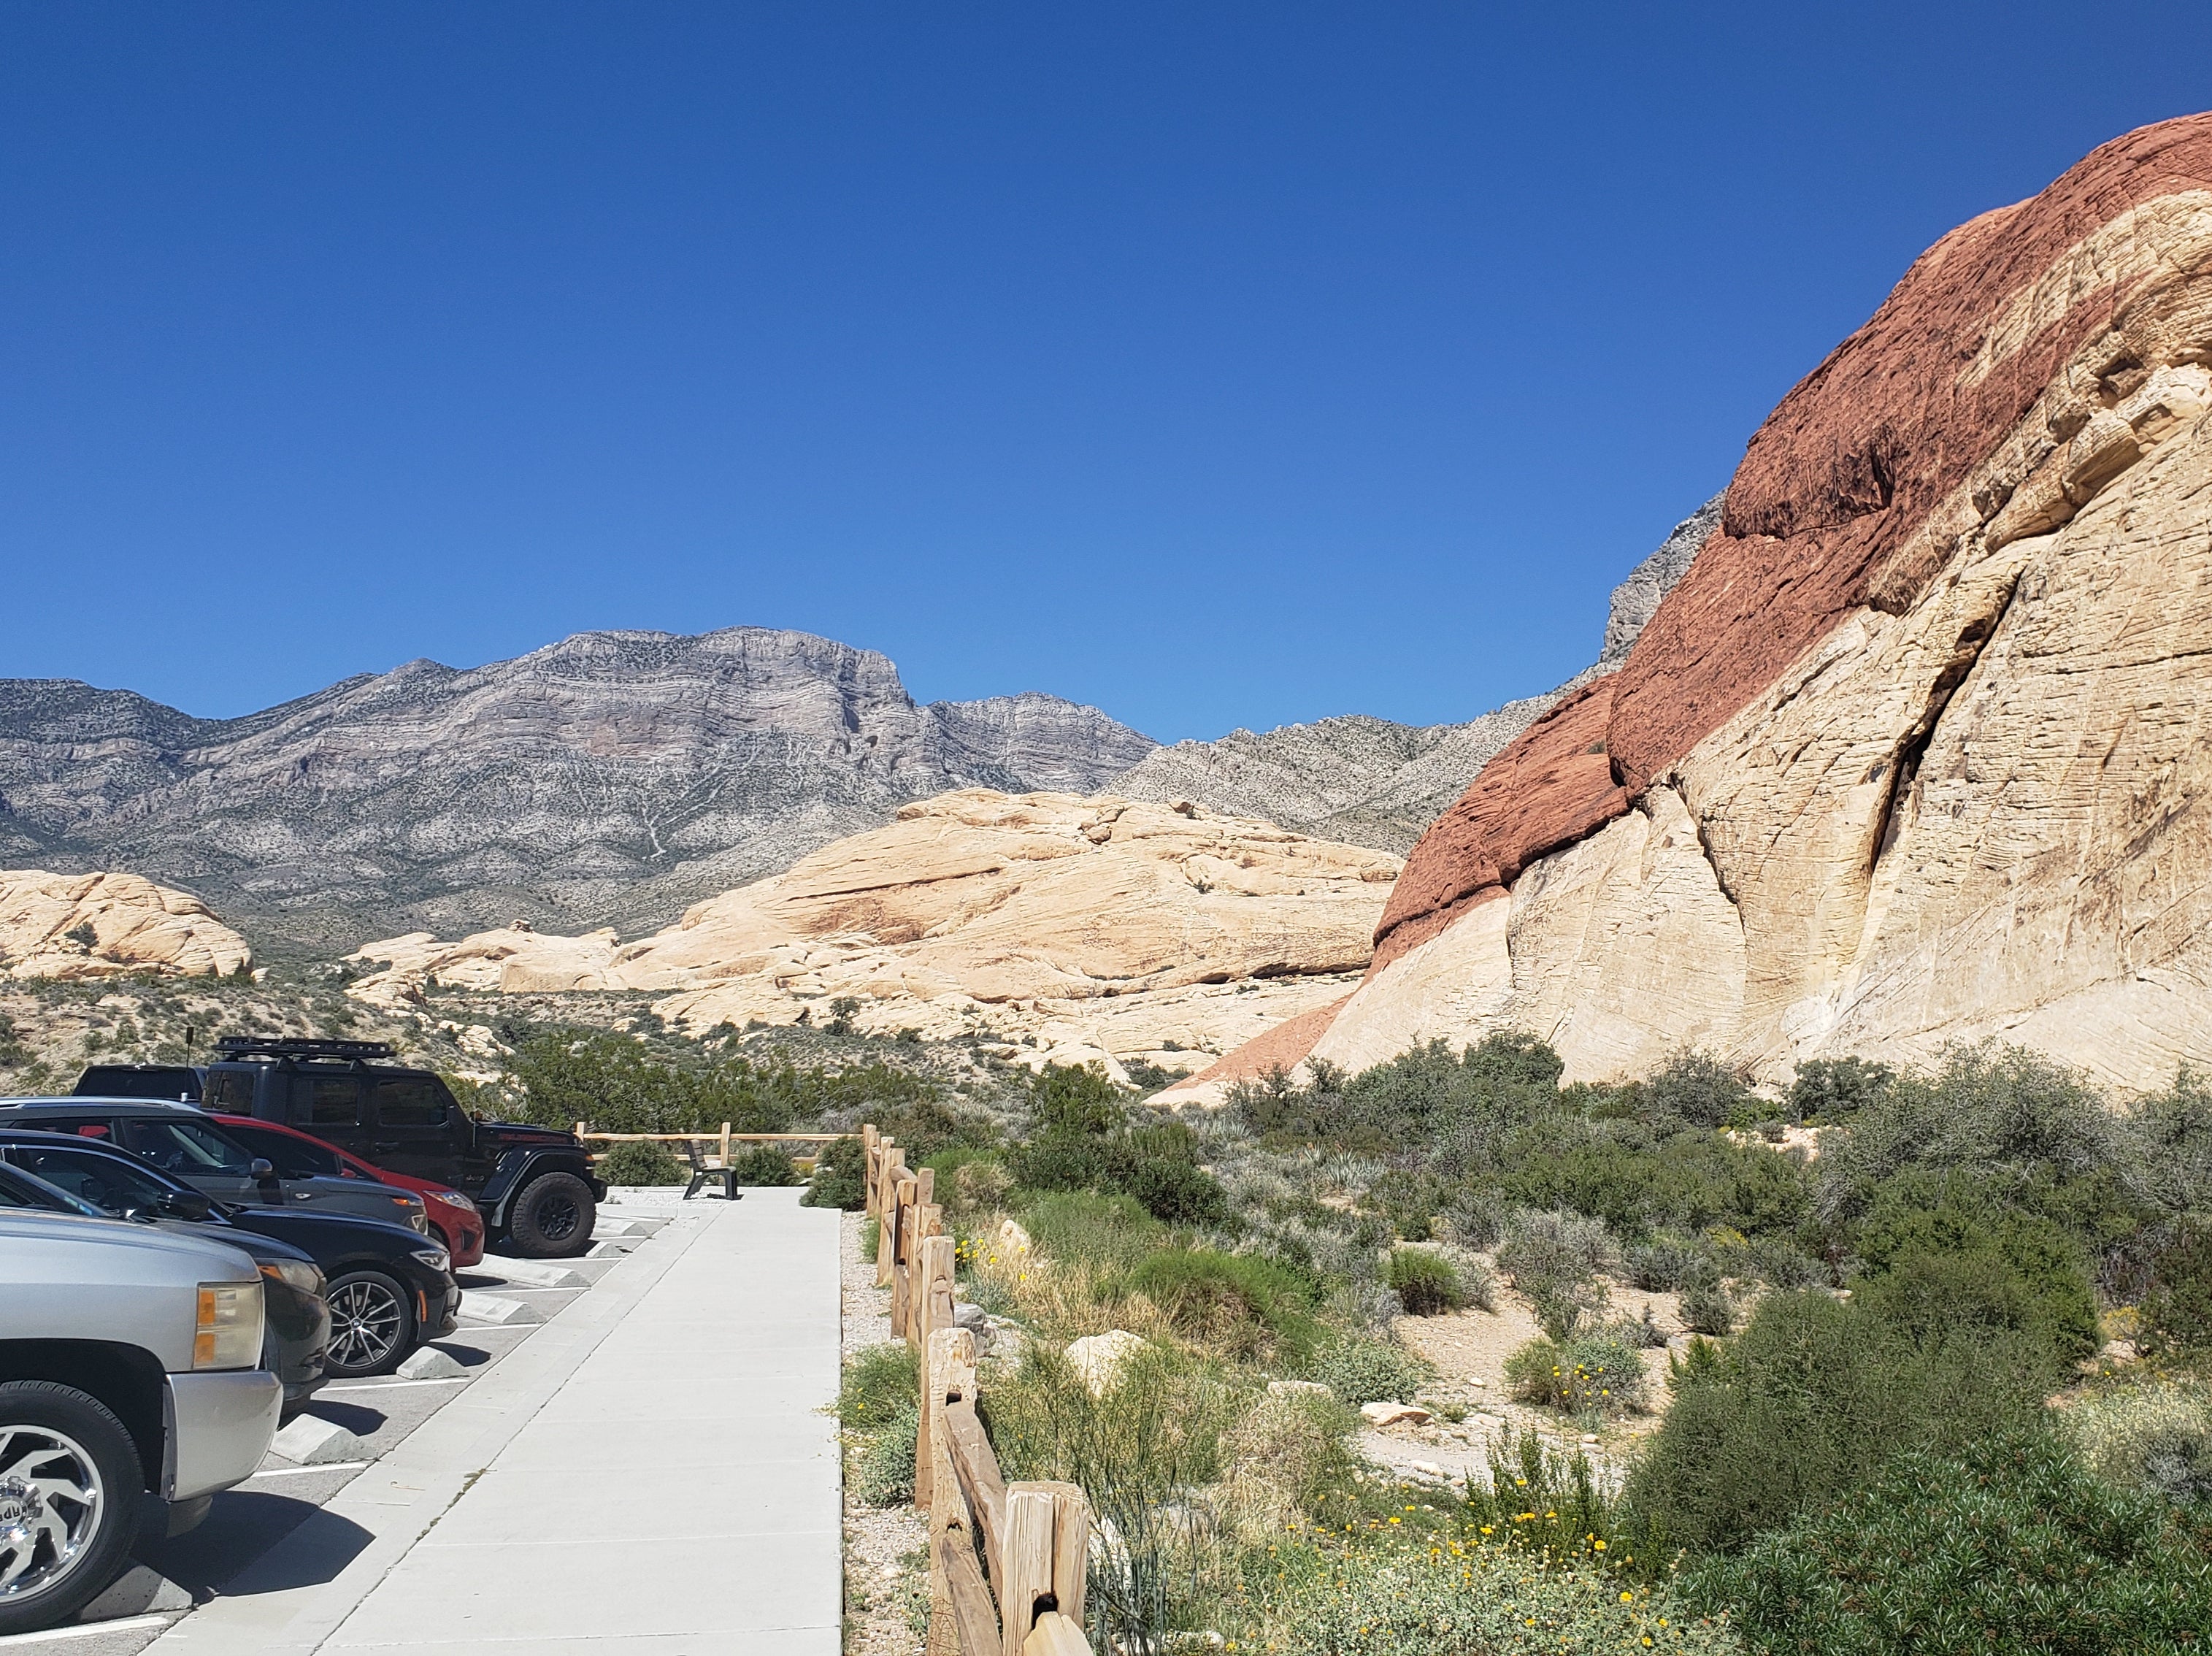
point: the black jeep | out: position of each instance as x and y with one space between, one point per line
534 1184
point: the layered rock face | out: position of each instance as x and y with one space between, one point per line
1087 928
614 776
1916 751
105 925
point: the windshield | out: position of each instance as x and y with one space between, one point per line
19 1189
189 1149
107 1182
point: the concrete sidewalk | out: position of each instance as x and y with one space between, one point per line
662 1478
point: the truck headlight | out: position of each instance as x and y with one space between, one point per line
229 1335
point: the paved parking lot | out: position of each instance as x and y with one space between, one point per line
671 1406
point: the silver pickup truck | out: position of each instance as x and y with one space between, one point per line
127 1369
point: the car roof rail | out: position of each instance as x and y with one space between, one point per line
255 1046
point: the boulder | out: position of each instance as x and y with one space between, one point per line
104 925
1099 1359
1395 1413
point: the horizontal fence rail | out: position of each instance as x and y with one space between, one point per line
721 1140
1008 1562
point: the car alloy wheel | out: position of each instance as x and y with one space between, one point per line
51 1496
368 1320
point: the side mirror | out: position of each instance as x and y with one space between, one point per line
260 1168
178 1204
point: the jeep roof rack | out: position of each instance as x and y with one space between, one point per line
241 1046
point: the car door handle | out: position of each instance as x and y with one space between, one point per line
303 1196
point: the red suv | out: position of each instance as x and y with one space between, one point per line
295 1155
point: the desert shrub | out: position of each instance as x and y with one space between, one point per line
1801 1407
1667 1263
2169 1143
840 1177
641 1161
1638 1179
1284 1459
1080 1227
621 1085
980 1185
1476 1278
1702 1091
2176 1314
1938 1254
763 1165
1139 1451
1465 1104
1361 1371
1641 1331
1409 1597
1556 1259
1775 1260
1830 1090
2005 1545
1545 1499
877 1382
1475 1217
1707 1309
1600 1371
1236 1302
1426 1283
883 1474
1085 1142
2153 1435
2015 1128
1412 1200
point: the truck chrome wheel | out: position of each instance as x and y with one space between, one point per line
50 1498
367 1322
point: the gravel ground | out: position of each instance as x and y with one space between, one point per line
886 1579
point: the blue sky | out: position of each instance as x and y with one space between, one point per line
1218 364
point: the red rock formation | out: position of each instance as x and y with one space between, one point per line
1835 506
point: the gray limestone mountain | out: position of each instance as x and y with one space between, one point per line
614 777
1369 781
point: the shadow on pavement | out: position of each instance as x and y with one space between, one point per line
241 1526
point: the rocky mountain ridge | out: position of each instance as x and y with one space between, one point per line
612 778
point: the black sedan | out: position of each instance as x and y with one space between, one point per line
389 1289
296 1327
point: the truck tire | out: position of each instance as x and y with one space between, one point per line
552 1218
77 1520
372 1325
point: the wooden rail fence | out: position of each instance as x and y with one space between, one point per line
1006 1561
722 1141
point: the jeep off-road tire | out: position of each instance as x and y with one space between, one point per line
552 1218
70 1487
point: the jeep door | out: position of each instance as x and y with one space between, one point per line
413 1120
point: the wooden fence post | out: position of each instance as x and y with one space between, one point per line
726 1144
1048 1550
868 1137
924 1324
887 1212
949 1373
907 1211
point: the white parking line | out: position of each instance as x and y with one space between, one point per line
83 1630
290 1471
389 1385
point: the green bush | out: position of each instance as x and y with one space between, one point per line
641 1161
1702 1091
1082 1227
1667 1263
1232 1299
877 1382
1638 1178
2176 1315
2003 1545
1830 1090
1707 1309
840 1177
763 1165
1547 1500
1939 1255
1370 1371
1599 1372
1390 1597
1426 1283
1555 1259
1800 1408
1157 1164
885 1474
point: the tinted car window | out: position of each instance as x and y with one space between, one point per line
109 1081
409 1101
231 1091
326 1100
108 1183
292 1157
186 1148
